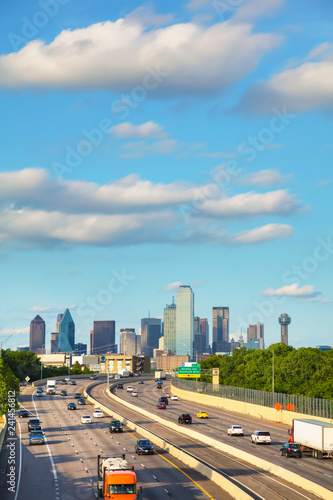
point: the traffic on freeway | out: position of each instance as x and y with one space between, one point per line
60 463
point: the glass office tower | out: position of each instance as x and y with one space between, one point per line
66 336
170 327
185 321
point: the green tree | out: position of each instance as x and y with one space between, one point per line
77 369
9 389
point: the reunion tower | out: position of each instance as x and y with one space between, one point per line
284 321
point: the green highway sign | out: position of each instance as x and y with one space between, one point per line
103 359
189 371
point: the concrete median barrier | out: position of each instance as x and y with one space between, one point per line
278 471
214 475
3 429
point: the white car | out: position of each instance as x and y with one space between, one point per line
235 430
134 394
98 413
174 397
129 388
261 437
86 419
68 379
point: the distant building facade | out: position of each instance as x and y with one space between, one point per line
66 336
204 327
80 349
150 335
170 326
256 332
37 335
103 337
128 341
185 321
221 330
54 347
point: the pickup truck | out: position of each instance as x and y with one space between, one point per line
34 424
185 418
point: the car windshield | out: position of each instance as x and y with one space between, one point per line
122 489
263 433
36 433
115 422
236 426
143 442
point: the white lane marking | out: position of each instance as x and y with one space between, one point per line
53 469
20 466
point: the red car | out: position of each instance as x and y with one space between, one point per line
161 405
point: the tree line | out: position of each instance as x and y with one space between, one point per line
305 371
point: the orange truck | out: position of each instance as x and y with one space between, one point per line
115 479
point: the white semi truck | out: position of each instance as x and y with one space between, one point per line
160 375
51 386
315 436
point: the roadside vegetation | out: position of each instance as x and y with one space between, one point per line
303 372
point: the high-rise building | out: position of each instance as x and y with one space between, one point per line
128 341
150 335
80 349
204 327
199 343
59 318
256 332
170 326
185 321
103 337
220 324
37 334
66 336
54 348
284 321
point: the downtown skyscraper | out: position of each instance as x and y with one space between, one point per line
185 321
66 335
103 337
170 326
150 335
37 335
221 329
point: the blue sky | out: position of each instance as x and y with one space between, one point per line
152 144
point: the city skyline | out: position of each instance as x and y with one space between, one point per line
150 153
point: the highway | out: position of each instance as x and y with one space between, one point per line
320 471
65 468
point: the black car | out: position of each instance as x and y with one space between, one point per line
163 399
115 426
34 424
185 418
81 401
141 382
144 446
291 450
63 393
64 382
78 395
73 382
71 406
120 386
24 413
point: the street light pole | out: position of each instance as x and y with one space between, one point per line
4 341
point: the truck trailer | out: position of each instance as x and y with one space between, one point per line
124 373
315 436
160 376
51 386
115 479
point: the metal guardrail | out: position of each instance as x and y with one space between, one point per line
315 407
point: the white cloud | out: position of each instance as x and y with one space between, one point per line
148 130
173 286
36 209
299 89
264 178
251 204
264 233
252 9
40 308
293 290
179 59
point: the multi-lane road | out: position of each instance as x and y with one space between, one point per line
65 468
